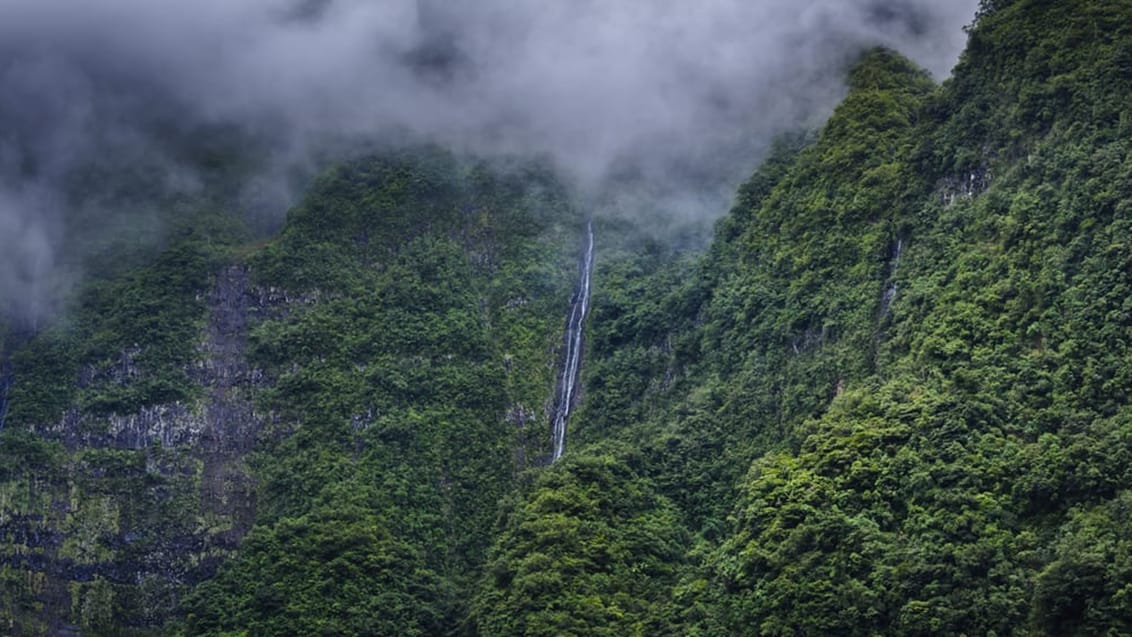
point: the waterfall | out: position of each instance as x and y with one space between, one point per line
572 363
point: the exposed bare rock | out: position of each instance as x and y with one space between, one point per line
964 186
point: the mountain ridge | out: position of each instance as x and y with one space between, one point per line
891 397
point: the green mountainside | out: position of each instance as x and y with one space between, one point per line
892 396
358 393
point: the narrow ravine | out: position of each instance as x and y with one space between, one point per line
890 287
572 362
5 385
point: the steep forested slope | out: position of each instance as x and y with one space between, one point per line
937 492
357 393
892 397
407 394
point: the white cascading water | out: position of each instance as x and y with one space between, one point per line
573 361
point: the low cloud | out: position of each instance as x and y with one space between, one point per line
682 94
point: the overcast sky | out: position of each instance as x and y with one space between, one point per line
662 84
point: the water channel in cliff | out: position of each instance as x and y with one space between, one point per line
572 361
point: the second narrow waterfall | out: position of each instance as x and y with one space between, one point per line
572 361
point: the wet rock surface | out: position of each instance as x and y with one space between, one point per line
147 503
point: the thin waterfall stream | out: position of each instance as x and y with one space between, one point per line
572 362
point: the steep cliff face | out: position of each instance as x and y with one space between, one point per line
124 512
405 394
399 337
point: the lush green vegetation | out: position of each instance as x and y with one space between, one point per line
400 344
891 398
402 392
591 549
87 495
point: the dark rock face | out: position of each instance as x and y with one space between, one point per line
230 421
964 186
146 504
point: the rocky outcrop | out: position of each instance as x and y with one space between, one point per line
964 186
145 503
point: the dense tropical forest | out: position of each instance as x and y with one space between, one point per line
892 396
